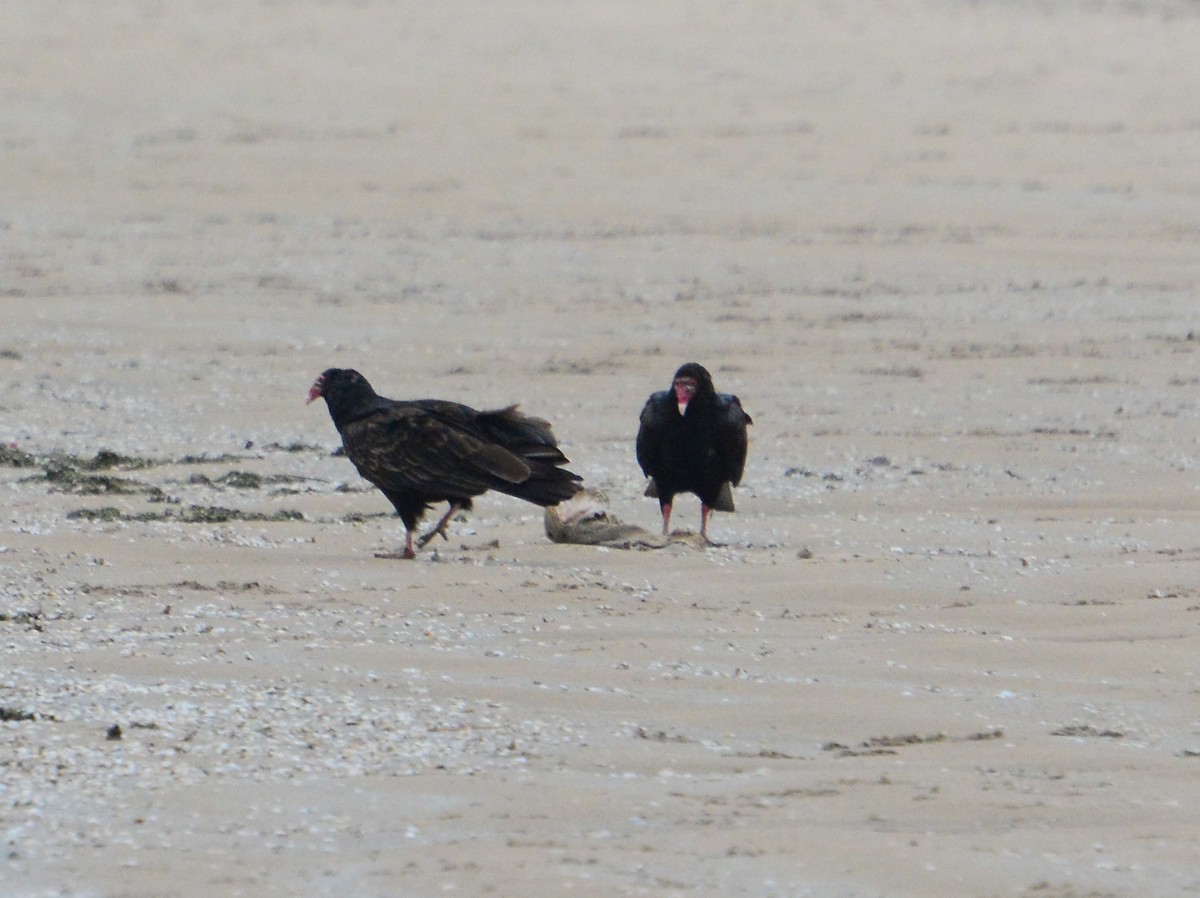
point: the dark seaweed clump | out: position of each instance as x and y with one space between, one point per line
67 478
74 474
245 480
12 457
294 446
215 514
106 459
193 514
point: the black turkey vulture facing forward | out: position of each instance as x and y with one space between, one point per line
692 439
431 450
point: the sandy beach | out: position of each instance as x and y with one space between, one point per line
945 252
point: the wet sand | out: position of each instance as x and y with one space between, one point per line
943 251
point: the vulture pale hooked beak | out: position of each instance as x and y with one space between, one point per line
317 389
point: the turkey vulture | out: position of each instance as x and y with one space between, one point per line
431 450
692 439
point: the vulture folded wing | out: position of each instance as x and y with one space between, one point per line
730 435
404 448
652 431
500 462
509 426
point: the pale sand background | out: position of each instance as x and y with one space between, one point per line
945 252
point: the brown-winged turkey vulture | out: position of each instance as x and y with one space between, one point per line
692 439
431 450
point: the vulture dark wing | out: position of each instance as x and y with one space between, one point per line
652 431
404 447
530 438
730 435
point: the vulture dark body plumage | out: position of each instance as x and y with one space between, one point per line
420 452
692 439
